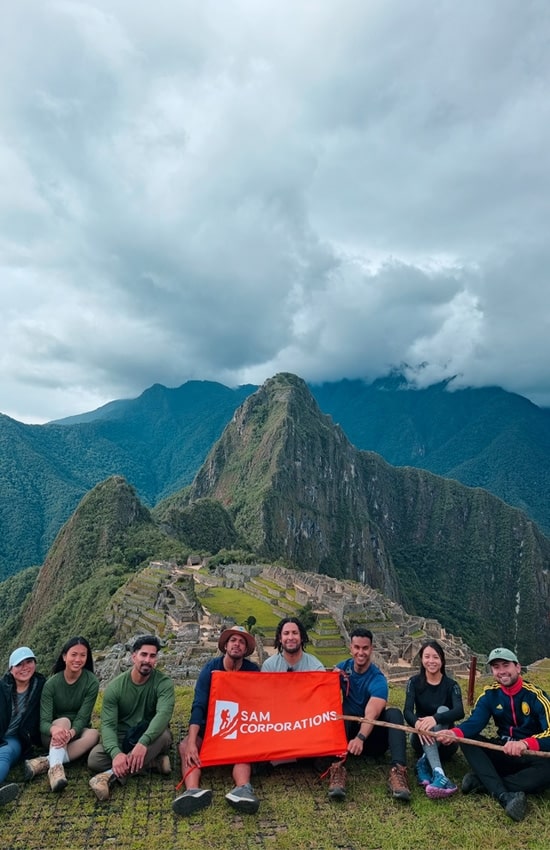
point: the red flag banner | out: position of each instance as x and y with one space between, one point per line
273 716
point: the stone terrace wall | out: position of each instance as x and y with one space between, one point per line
162 600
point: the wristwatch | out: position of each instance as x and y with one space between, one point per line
361 737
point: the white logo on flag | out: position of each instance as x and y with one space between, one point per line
226 717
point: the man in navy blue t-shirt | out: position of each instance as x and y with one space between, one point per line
235 644
365 695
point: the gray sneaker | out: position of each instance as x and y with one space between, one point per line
514 804
243 799
192 800
8 793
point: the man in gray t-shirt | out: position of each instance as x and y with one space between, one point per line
290 640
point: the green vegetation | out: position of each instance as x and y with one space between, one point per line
307 616
295 813
238 605
284 483
204 526
481 437
232 556
108 539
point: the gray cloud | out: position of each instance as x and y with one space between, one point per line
222 191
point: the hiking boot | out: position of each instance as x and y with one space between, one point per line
243 799
471 783
100 785
192 800
34 767
337 781
58 780
440 786
399 786
8 793
423 771
514 804
161 764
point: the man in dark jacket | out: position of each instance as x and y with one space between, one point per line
20 691
521 713
235 644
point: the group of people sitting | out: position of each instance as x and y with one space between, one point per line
55 714
138 705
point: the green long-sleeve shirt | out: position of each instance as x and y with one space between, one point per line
75 701
126 704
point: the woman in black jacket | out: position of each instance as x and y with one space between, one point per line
20 691
433 701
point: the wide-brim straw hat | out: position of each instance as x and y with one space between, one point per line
241 631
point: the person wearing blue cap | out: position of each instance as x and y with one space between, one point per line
20 691
521 714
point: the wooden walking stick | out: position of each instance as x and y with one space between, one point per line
409 730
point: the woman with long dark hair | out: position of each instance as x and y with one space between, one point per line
66 706
20 691
433 701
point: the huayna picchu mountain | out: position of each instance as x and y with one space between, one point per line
296 489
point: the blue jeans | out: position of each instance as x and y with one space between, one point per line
10 753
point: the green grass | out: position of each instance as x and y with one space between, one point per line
330 656
230 602
295 813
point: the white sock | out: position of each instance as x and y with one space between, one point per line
58 755
439 770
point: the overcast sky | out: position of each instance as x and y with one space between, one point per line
226 190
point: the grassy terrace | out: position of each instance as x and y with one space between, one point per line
230 602
295 813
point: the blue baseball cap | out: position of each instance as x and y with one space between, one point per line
20 654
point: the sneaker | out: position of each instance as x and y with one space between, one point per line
243 799
423 771
337 781
471 783
514 804
399 786
34 767
192 800
58 780
440 786
161 764
100 784
8 793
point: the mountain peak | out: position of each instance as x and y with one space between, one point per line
91 535
288 475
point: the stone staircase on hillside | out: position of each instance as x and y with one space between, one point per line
155 600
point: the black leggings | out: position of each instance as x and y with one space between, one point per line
500 773
382 739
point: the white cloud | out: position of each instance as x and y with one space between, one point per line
221 191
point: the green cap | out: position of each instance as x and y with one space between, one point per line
502 654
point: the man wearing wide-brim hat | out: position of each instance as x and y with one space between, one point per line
235 644
521 713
